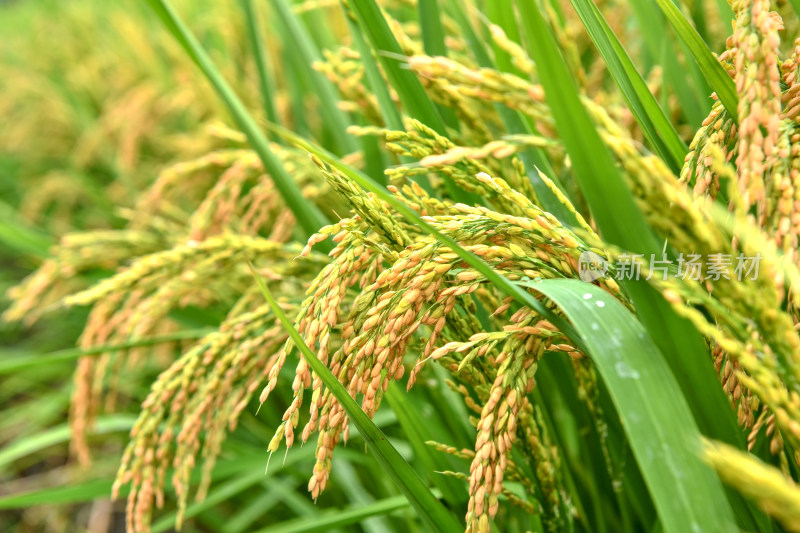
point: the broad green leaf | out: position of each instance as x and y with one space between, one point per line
621 223
656 126
655 415
716 75
307 214
407 480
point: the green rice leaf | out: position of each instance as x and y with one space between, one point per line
660 427
307 53
59 435
18 236
654 122
714 72
72 493
621 223
414 428
692 90
260 56
408 87
221 493
391 115
610 200
22 362
430 23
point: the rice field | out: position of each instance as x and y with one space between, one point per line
400 265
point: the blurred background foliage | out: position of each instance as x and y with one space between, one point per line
100 107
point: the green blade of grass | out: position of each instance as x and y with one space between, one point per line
59 435
72 493
219 494
20 237
726 12
655 416
262 504
500 14
458 10
100 488
534 159
661 45
656 126
18 363
358 495
433 35
409 89
343 517
407 480
391 116
714 72
611 202
308 216
413 425
431 25
389 112
260 56
332 117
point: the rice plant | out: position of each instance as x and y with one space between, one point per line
536 260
